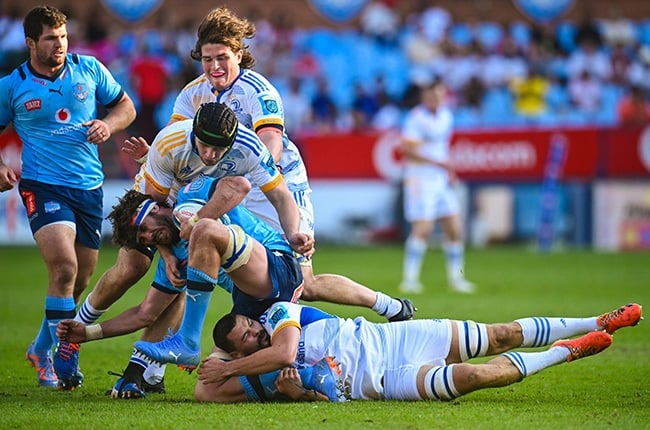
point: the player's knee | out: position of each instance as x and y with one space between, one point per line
504 336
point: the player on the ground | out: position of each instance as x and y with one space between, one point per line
411 360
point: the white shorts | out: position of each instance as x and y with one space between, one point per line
429 198
425 342
257 203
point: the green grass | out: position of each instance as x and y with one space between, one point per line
607 391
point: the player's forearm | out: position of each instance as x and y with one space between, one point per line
287 210
121 115
127 322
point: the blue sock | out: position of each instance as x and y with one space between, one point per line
198 295
56 309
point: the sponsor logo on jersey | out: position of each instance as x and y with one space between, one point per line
33 104
63 116
269 105
80 91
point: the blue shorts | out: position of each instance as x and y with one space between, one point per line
47 204
288 284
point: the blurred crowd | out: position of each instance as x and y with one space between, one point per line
364 76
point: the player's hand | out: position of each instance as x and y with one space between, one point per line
98 131
302 243
135 147
212 370
289 383
173 268
7 178
71 331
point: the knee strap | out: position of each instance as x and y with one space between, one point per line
472 339
240 247
439 383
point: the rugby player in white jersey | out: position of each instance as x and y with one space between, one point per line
228 78
429 194
411 360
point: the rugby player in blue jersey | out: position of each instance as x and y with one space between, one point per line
51 100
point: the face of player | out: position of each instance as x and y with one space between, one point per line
210 155
220 64
49 51
432 98
157 228
248 336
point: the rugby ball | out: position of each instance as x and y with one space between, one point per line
185 211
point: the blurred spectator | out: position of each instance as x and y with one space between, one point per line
639 71
472 93
297 107
530 94
149 76
618 29
12 41
620 63
634 109
364 107
585 92
588 57
380 21
324 109
389 115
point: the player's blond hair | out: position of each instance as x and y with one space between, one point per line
222 26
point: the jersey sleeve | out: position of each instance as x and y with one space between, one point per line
108 90
412 129
266 110
159 167
281 315
183 108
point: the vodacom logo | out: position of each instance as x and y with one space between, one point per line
488 156
644 148
385 156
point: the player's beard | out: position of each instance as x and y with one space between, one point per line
48 59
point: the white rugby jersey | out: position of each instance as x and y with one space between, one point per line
431 132
257 103
357 346
173 162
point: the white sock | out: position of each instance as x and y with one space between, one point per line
386 306
87 313
154 373
529 363
540 331
455 256
413 257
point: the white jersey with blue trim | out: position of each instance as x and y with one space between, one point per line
357 346
48 113
431 132
257 103
173 161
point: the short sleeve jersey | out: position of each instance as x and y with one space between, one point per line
257 104
431 132
48 115
174 162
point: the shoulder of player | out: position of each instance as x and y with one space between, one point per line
246 138
173 138
197 84
252 82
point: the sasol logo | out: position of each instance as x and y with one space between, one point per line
33 104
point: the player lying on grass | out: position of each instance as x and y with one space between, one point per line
411 360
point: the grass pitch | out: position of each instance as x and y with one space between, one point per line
610 390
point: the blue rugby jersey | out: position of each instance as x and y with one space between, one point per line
48 114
